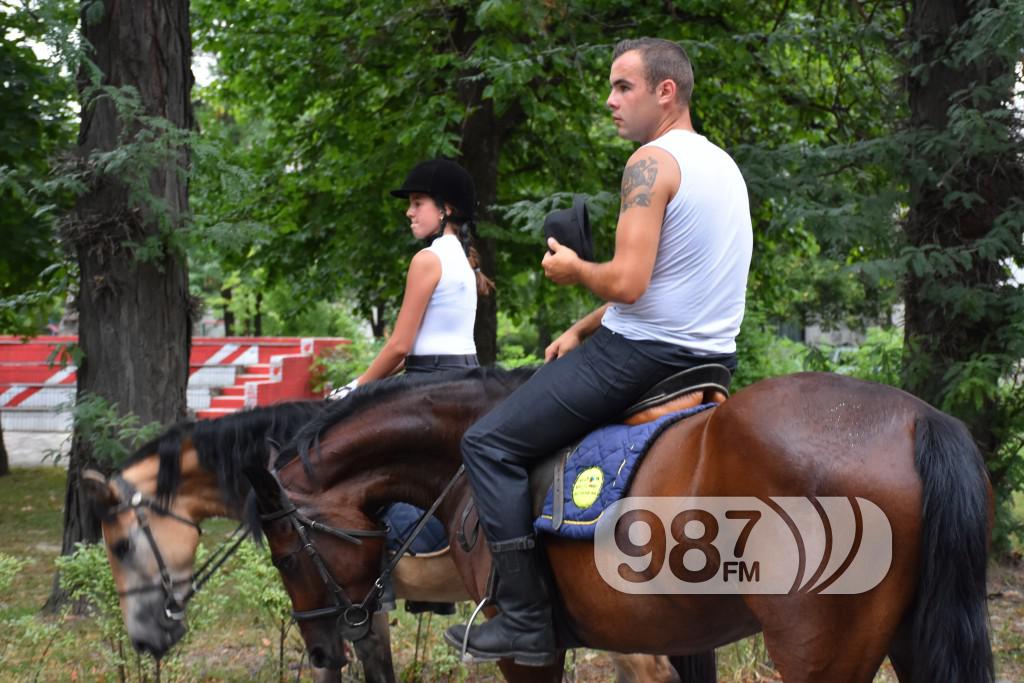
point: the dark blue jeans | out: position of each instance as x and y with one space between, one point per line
565 400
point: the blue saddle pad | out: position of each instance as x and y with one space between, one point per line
598 473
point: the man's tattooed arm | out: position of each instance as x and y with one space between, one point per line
638 183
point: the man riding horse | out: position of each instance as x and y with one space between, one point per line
675 289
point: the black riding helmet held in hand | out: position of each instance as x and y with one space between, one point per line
445 180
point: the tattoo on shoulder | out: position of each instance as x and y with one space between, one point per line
638 183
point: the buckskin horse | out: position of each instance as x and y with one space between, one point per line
805 435
193 471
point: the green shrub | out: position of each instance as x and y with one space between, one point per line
112 436
339 366
762 353
878 359
10 567
259 586
86 575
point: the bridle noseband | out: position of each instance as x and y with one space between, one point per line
174 609
353 620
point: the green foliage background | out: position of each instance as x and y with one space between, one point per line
316 109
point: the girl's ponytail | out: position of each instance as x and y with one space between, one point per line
466 233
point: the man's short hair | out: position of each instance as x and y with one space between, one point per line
663 60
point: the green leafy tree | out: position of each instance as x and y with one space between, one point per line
965 315
877 141
515 90
34 128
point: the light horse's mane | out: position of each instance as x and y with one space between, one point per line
226 446
309 436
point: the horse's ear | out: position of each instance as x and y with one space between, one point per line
265 489
273 448
98 492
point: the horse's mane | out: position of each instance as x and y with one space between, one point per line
309 435
226 446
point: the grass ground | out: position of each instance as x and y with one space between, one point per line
242 645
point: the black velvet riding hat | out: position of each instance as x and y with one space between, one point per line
445 180
571 227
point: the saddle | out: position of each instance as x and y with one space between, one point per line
684 390
687 389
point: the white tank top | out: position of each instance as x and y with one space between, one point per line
698 288
447 327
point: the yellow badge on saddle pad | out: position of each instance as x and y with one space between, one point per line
587 487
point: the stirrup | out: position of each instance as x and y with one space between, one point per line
465 657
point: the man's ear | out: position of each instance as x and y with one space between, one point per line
97 492
667 90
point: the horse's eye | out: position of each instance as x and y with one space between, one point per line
121 549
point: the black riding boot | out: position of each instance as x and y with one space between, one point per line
523 631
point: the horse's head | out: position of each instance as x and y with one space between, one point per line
365 451
328 555
189 473
151 545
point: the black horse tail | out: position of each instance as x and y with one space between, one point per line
949 630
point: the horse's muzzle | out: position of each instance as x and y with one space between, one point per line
321 659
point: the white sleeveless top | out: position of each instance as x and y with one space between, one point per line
698 288
447 327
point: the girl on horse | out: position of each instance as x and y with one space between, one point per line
434 328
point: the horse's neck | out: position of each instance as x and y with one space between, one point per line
401 452
410 459
198 496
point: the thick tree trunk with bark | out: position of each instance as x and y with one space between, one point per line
133 300
483 132
939 332
481 149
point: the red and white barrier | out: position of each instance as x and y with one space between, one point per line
225 375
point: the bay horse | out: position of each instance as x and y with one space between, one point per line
193 470
807 435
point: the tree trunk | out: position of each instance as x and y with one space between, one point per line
5 467
482 135
258 321
378 321
481 145
229 317
134 308
939 332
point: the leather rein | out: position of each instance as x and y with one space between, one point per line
353 619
